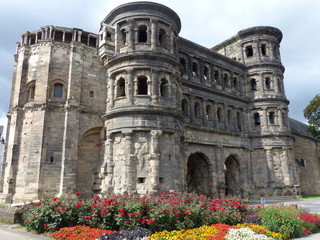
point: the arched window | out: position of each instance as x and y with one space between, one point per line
142 85
254 85
195 69
31 92
162 38
58 90
271 117
235 82
219 114
184 64
249 51
239 121
142 34
121 88
123 37
268 83
164 88
263 49
209 112
197 110
226 79
185 107
206 73
257 120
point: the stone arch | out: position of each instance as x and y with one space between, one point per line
199 177
89 158
232 175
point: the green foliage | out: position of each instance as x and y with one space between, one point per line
166 211
282 219
312 113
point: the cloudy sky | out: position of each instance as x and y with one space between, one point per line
206 22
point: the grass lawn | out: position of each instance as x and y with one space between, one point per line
308 196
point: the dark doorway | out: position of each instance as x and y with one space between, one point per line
232 176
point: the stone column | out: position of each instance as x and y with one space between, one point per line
285 167
275 84
108 165
155 87
117 39
205 115
261 83
280 119
111 91
220 172
270 165
153 33
171 41
214 112
131 35
265 125
154 160
130 87
129 164
192 113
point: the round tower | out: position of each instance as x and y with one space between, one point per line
137 48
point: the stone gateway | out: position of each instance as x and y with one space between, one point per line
139 108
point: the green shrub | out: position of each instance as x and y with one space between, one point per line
282 219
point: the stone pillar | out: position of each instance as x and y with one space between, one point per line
154 34
117 39
171 41
265 125
214 113
108 166
220 172
131 35
275 84
270 165
205 115
129 164
225 115
261 83
130 87
111 91
285 167
192 113
155 87
280 119
154 160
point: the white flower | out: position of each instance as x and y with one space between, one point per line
245 234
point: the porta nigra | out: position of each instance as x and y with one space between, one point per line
138 108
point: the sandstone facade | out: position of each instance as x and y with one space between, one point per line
139 108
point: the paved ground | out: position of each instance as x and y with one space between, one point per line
11 232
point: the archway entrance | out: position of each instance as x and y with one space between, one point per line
198 174
89 152
232 176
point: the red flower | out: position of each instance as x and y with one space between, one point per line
161 192
63 208
38 203
141 212
79 205
127 222
151 221
27 221
54 199
186 213
177 214
77 193
138 220
45 225
122 214
57 210
144 221
131 214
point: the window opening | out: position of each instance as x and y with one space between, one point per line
194 69
142 34
206 72
109 36
92 41
162 38
121 88
184 106
263 49
302 163
257 120
58 90
249 51
229 117
84 38
216 75
142 85
209 112
197 110
268 83
184 64
123 37
225 79
161 180
235 82
31 92
164 88
58 36
141 180
219 114
91 94
253 85
272 118
68 37
239 121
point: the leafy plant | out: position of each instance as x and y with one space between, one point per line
134 234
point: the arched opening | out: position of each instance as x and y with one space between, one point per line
31 92
198 174
142 85
232 176
271 117
195 69
121 88
257 120
58 90
206 73
142 34
209 112
219 114
268 83
185 107
239 121
163 38
229 117
254 85
184 64
89 157
235 82
123 37
164 88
